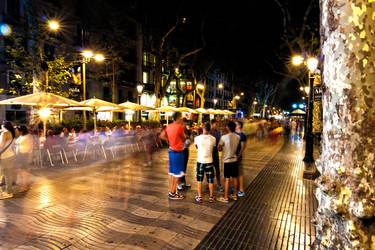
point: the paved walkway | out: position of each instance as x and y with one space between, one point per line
123 205
276 213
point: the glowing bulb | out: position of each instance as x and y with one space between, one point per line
200 86
307 90
220 86
99 57
53 25
44 113
312 64
297 60
5 29
87 54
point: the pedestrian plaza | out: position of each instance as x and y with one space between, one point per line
122 204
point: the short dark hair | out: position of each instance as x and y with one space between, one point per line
232 126
207 126
213 121
177 115
240 123
23 129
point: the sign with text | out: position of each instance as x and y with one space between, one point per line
318 93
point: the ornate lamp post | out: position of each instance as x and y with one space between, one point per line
312 64
86 58
140 88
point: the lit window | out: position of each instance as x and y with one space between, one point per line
145 77
144 58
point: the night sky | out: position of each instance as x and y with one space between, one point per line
242 36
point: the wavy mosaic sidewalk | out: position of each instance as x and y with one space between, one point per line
117 205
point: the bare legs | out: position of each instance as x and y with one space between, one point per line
227 183
210 186
173 181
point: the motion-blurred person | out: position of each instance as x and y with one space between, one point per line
187 144
240 149
175 135
24 148
51 140
149 140
7 158
215 132
228 144
205 144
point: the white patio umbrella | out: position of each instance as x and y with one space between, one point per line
167 109
43 101
98 105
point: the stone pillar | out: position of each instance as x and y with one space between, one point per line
346 187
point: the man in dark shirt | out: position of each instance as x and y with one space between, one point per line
240 150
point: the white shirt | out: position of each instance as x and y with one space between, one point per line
205 144
229 142
24 144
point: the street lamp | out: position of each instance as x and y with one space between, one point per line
215 101
53 25
86 58
140 88
220 86
311 63
200 86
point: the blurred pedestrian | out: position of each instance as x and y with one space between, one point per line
228 144
215 132
7 158
24 148
175 135
240 149
205 144
187 144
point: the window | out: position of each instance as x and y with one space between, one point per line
145 77
145 59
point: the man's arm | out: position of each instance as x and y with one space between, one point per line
243 146
220 145
163 136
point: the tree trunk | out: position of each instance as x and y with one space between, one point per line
345 189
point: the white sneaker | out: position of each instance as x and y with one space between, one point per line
180 187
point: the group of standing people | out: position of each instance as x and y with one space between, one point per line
16 146
232 144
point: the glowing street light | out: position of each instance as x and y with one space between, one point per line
312 64
297 60
44 113
307 90
220 86
200 86
237 97
53 25
242 93
99 57
86 56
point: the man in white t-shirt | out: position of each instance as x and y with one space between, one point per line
205 144
228 144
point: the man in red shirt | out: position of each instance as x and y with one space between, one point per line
175 135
